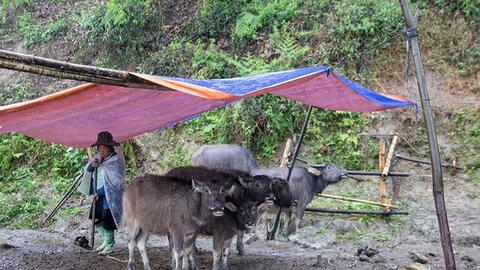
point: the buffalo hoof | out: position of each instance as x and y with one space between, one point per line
131 266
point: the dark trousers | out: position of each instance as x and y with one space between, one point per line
103 216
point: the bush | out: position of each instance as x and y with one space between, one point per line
35 33
122 29
214 19
261 14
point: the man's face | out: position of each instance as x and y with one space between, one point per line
104 151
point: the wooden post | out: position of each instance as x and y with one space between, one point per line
388 161
286 153
437 177
381 166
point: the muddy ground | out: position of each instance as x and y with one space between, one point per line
324 242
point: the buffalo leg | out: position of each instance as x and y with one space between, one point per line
287 215
189 239
226 252
132 239
141 243
240 245
177 249
298 218
217 252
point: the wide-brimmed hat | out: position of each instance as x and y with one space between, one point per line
105 138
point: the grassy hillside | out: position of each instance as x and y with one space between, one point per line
216 39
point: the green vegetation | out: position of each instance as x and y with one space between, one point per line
35 33
467 137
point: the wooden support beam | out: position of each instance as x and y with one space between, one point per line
388 161
65 70
437 177
63 66
286 153
355 200
381 166
348 211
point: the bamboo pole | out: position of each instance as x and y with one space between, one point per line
286 153
381 167
89 152
437 177
290 169
388 161
62 65
64 70
348 211
356 200
445 165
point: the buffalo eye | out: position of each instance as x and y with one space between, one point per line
258 185
242 212
329 167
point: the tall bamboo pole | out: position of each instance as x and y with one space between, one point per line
381 166
437 178
290 168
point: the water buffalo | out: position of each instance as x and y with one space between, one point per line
239 217
259 188
224 156
304 184
170 206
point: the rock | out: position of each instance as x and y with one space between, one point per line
417 266
367 251
378 259
468 261
419 258
60 225
363 258
6 246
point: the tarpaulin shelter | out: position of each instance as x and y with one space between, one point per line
74 116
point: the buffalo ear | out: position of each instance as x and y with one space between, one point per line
200 187
314 171
230 190
230 206
242 182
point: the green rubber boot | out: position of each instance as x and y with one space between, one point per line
110 241
101 230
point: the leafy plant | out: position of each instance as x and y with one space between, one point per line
34 33
261 14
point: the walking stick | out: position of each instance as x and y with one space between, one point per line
92 236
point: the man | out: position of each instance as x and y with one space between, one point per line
110 173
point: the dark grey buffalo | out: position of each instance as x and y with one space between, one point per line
171 206
237 217
304 184
224 156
